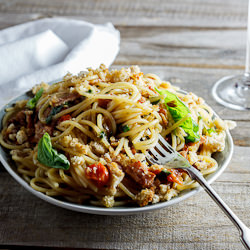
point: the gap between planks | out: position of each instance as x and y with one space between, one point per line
183 65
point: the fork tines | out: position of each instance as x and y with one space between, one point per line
161 153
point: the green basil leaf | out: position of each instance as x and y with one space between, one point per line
163 174
31 104
49 156
125 128
155 99
165 171
102 134
44 154
53 112
178 111
208 131
211 130
60 160
192 130
204 131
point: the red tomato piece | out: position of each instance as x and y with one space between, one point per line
133 151
142 99
65 118
175 176
151 88
98 173
163 111
156 170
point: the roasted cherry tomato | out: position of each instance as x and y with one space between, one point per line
133 150
163 111
65 118
142 99
151 88
155 170
175 176
98 173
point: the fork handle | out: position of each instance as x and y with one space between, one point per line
243 229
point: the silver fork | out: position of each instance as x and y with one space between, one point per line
163 153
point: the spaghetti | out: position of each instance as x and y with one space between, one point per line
84 139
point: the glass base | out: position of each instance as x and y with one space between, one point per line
233 92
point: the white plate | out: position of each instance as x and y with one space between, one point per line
223 159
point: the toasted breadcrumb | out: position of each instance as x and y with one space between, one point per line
21 136
155 168
97 148
144 197
202 165
156 199
139 157
69 142
116 176
37 87
77 160
12 136
170 194
107 157
108 201
10 128
215 142
230 124
192 157
163 189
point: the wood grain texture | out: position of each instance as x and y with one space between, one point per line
191 13
183 47
192 43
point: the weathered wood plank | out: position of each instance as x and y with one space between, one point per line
10 19
192 13
183 47
165 46
176 46
188 225
241 134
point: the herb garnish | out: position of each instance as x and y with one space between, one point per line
206 131
102 134
31 104
163 174
211 130
165 171
178 111
49 156
53 112
155 100
125 128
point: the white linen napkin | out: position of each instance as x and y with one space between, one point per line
47 49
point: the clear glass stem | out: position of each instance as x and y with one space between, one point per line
234 91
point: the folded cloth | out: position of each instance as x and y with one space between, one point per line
47 49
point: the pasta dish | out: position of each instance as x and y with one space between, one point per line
84 139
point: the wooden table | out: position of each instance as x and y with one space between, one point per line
191 42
